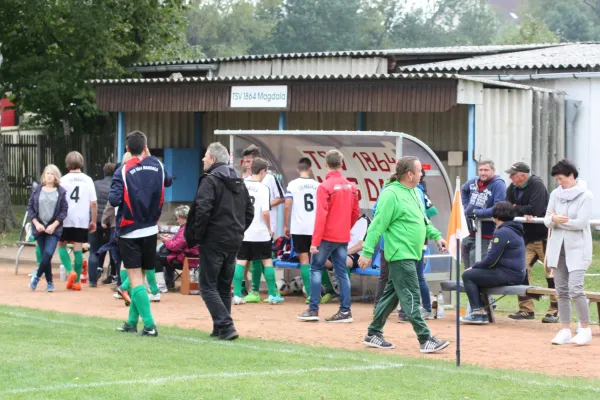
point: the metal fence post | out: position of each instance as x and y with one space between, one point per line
478 241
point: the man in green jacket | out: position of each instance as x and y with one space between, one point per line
401 219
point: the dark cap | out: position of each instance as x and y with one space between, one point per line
518 167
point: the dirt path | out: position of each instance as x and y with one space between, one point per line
507 344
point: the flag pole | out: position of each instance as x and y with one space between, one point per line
458 251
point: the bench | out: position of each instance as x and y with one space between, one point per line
22 244
187 286
515 290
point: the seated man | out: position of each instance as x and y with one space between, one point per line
355 246
504 264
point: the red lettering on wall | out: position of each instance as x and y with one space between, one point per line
355 155
383 164
391 161
372 189
369 162
381 183
319 179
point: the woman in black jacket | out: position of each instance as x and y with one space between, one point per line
47 210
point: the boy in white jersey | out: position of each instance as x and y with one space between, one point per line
258 237
277 198
300 203
81 196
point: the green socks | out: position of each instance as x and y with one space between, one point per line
305 273
326 282
65 259
125 285
270 278
123 276
134 315
348 271
151 277
140 300
78 264
257 270
238 277
38 255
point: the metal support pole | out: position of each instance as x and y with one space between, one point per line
478 241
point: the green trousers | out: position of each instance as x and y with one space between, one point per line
403 285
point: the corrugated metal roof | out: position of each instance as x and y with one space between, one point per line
467 50
577 55
276 78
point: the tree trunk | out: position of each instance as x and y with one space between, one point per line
7 216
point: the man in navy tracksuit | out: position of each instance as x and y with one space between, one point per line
138 189
478 197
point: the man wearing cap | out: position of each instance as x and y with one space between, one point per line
529 196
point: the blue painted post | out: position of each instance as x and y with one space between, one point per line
282 127
471 162
361 121
120 135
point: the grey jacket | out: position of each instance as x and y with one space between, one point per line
575 235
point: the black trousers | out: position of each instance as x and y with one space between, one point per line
216 275
162 265
479 278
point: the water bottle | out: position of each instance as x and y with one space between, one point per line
63 273
440 305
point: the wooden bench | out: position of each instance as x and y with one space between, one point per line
187 286
593 297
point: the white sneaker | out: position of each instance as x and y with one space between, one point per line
584 336
562 337
117 296
238 300
163 288
154 297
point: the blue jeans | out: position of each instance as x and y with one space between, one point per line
423 286
338 253
47 244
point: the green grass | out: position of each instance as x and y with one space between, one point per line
11 237
49 355
510 304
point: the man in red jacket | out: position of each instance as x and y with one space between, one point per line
337 211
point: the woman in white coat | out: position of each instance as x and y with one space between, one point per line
569 250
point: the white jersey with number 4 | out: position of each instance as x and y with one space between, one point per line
258 231
80 192
303 192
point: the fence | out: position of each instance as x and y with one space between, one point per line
26 157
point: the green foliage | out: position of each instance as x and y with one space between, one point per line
50 49
569 20
530 31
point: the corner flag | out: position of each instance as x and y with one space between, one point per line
457 227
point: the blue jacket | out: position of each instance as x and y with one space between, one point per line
481 203
138 189
60 211
507 251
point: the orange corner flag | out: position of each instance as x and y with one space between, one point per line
457 227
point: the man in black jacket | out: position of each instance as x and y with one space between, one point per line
102 234
220 215
529 197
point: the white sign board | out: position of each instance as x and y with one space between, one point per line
259 97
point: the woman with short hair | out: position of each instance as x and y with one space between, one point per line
569 251
504 264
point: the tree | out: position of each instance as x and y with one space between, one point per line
569 20
530 31
50 49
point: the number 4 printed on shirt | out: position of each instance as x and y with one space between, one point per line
75 194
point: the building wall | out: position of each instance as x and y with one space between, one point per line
163 129
442 132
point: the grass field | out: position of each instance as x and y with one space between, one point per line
11 237
61 356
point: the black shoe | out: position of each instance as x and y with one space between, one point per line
149 331
521 315
402 317
108 281
127 329
340 317
434 344
550 319
215 332
231 335
376 340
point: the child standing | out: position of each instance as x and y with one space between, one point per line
47 209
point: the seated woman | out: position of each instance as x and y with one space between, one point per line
504 264
175 249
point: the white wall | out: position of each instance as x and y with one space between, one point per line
586 150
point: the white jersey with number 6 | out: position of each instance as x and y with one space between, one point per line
258 231
80 192
303 192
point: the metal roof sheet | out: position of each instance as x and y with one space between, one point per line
575 55
455 50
